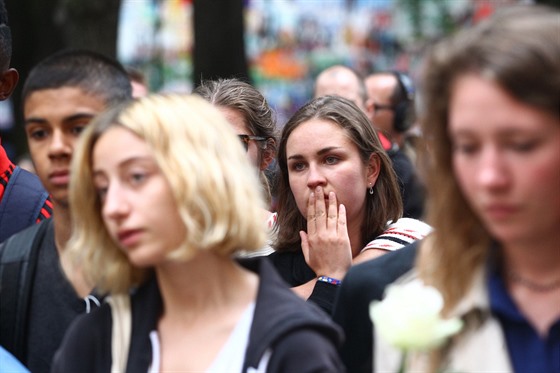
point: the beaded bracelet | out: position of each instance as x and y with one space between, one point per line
329 280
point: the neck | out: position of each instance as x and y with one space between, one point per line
62 230
532 276
220 284
537 264
62 222
355 235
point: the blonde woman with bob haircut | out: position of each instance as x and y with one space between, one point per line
166 197
491 116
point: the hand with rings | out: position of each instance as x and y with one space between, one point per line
326 245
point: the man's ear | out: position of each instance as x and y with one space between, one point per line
8 81
370 107
373 169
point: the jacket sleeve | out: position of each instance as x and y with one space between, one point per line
86 346
305 351
324 295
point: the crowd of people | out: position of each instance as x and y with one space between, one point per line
191 232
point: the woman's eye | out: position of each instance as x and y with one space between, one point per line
331 160
464 148
297 166
523 146
137 177
101 193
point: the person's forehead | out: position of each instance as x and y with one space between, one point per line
64 93
62 102
380 85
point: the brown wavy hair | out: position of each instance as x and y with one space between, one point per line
519 50
383 206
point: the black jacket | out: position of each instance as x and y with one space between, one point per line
293 269
362 284
302 337
412 189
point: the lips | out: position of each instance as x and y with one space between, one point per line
60 177
129 237
500 211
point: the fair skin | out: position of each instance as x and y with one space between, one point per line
258 158
340 81
380 88
138 89
329 181
196 320
237 121
506 159
54 119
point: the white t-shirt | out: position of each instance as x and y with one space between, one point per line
231 356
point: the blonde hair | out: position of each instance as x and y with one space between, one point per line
216 190
519 50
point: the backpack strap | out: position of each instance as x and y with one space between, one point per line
21 204
18 261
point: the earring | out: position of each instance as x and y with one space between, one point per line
371 188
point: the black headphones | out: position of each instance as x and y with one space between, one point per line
403 97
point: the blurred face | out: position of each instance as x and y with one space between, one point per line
380 88
138 209
54 119
506 159
320 153
235 118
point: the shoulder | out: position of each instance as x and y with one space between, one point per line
26 236
87 343
401 162
305 351
291 266
273 291
371 278
281 318
22 248
399 234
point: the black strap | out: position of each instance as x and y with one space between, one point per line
21 204
18 260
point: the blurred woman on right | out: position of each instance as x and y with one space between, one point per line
491 117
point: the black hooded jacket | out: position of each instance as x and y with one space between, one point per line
301 337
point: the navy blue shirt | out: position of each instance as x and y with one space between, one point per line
529 352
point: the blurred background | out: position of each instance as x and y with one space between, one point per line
277 45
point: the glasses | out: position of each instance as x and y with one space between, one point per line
246 138
377 107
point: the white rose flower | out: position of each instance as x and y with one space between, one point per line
409 317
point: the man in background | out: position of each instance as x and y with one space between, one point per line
345 82
41 291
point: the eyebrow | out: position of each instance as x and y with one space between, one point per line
320 152
66 119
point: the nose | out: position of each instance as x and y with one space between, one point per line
59 146
492 170
315 177
115 205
